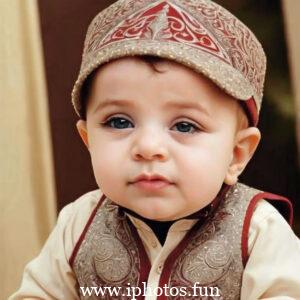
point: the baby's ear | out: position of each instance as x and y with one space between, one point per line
246 143
82 130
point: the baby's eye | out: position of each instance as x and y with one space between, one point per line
118 123
185 127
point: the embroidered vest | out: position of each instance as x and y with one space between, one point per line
213 253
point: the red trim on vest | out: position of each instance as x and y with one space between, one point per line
88 224
145 265
249 214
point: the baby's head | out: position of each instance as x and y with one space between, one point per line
159 110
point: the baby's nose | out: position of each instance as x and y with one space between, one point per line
150 145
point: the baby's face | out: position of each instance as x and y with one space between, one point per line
160 143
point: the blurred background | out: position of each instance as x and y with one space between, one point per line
45 165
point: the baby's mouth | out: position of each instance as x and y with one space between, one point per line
151 182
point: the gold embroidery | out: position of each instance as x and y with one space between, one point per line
108 255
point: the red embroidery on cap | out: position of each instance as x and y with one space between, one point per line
166 22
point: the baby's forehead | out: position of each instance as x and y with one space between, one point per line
158 81
126 68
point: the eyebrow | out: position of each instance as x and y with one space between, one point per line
187 105
113 102
168 105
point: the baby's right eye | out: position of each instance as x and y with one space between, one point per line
118 123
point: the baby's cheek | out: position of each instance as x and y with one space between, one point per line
101 168
107 173
204 175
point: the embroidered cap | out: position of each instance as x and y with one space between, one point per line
199 34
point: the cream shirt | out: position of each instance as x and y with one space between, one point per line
272 271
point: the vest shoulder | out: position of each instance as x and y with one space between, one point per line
247 188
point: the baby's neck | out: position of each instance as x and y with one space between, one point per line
161 228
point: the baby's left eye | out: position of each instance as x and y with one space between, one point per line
185 127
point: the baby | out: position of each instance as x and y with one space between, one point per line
168 95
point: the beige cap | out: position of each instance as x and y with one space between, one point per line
199 34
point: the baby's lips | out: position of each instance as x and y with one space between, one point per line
151 177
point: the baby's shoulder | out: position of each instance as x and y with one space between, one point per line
266 212
74 216
265 209
267 220
87 201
